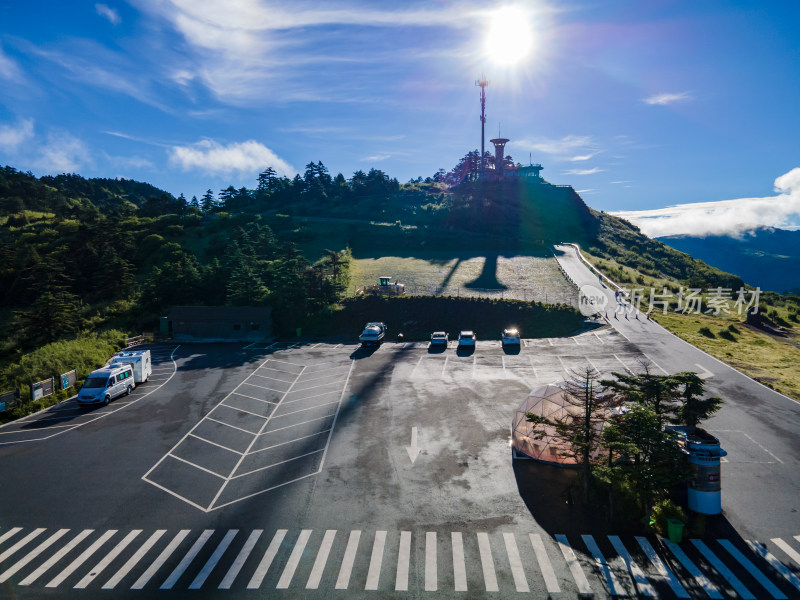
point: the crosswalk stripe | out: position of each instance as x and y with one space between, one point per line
403 558
322 558
347 561
85 555
243 555
91 575
459 566
723 570
32 554
545 566
574 566
644 586
161 559
10 533
753 570
762 551
133 560
213 560
44 567
170 581
487 563
614 585
515 562
33 534
431 569
269 556
294 560
661 568
790 552
699 578
376 560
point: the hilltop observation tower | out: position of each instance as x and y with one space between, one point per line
499 155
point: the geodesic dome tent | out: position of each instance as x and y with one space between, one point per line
549 401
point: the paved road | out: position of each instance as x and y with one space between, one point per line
287 471
757 426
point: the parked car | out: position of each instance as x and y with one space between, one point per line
373 334
439 338
466 338
103 385
511 336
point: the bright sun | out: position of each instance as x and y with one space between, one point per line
510 38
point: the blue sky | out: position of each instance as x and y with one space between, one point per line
641 105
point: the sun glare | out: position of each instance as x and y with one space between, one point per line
510 38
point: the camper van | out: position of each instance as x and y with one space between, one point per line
139 360
103 385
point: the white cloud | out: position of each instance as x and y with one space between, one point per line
8 67
13 136
591 171
582 157
109 13
664 99
376 158
243 157
63 153
563 147
726 217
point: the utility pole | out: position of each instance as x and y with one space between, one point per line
482 83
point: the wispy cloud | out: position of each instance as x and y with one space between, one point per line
13 136
63 153
621 181
109 13
8 67
726 217
376 158
562 147
591 171
243 158
668 98
582 157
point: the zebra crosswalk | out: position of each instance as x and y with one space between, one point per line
502 562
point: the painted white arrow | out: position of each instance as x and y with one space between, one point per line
705 373
413 450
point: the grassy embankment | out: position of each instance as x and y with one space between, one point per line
84 353
771 357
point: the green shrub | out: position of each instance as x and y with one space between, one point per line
664 510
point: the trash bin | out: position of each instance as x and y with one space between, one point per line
299 331
675 530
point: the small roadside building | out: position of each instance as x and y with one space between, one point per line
220 323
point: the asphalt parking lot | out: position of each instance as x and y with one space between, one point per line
316 469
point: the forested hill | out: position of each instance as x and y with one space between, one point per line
73 195
84 254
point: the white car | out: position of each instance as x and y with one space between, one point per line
439 338
466 338
511 336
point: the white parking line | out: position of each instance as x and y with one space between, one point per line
322 558
263 387
305 409
310 397
44 567
266 561
196 466
403 559
376 560
459 566
270 378
297 424
236 408
10 533
33 534
221 423
282 462
624 366
202 439
241 558
305 437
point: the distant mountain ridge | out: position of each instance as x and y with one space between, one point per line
766 257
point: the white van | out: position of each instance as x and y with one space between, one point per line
103 385
139 360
